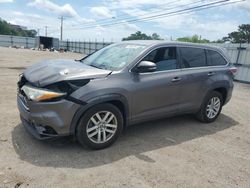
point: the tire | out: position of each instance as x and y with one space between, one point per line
203 114
100 126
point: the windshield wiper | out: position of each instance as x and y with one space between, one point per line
95 66
103 66
86 56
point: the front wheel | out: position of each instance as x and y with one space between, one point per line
211 107
100 126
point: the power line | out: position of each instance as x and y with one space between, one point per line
107 21
165 14
168 14
170 6
147 18
223 4
196 9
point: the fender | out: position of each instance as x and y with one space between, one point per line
98 100
216 85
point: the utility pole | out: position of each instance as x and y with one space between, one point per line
38 32
61 35
46 27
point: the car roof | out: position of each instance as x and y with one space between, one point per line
155 43
158 43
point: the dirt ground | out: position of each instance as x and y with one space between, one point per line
174 152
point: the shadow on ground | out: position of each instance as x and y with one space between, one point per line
138 139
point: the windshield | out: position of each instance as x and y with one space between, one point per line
114 57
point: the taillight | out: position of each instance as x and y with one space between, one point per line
233 70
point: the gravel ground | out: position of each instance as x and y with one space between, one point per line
174 152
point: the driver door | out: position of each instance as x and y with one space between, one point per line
157 93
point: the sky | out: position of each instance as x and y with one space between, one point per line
91 19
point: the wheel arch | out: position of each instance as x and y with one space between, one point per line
115 99
221 87
223 91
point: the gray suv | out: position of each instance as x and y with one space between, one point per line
125 83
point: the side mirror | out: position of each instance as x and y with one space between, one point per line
145 66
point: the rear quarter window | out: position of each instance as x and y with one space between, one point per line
192 57
215 59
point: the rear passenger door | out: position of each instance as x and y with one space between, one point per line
194 69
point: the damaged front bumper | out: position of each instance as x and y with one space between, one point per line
46 120
37 131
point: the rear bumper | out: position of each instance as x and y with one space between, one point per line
46 120
229 95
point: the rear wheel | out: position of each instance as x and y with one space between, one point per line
100 126
211 107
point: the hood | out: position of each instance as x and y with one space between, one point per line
52 71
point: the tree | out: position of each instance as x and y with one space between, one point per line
234 37
194 39
7 29
142 36
244 31
223 40
155 36
240 36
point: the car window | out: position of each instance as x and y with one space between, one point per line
215 59
164 58
114 57
192 57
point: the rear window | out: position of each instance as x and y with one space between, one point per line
192 57
215 59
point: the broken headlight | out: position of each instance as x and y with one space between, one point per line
37 94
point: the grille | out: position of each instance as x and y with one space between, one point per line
23 98
24 101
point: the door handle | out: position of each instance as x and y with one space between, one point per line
210 73
176 79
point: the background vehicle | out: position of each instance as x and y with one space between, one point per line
123 84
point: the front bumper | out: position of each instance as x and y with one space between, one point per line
47 119
31 128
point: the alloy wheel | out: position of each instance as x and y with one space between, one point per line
213 107
101 127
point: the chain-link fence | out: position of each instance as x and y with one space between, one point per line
83 47
16 41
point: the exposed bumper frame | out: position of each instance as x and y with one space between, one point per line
34 132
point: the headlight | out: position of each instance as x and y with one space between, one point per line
37 94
